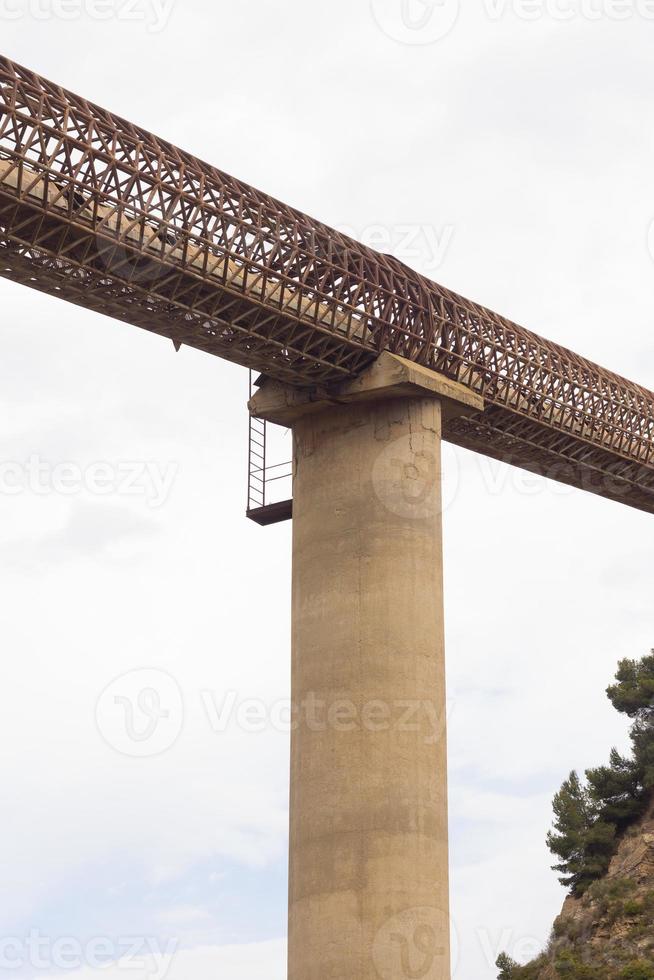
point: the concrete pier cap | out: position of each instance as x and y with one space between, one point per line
368 849
388 377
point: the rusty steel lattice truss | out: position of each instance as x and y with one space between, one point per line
106 215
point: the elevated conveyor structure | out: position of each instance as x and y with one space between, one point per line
106 215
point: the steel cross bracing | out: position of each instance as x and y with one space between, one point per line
106 215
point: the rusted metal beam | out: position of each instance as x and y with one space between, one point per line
106 215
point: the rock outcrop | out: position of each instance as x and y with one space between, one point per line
608 933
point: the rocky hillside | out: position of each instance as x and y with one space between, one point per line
608 934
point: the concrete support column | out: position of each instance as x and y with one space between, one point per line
368 892
368 839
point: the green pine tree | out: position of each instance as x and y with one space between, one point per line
507 967
574 817
633 695
642 739
617 790
590 816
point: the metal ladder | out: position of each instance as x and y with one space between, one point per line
262 474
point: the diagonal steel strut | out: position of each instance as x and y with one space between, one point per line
106 215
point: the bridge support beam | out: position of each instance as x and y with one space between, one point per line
368 836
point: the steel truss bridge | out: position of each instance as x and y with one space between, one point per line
103 214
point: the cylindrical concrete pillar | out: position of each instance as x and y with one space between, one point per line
368 840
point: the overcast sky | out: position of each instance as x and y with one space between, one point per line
504 149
